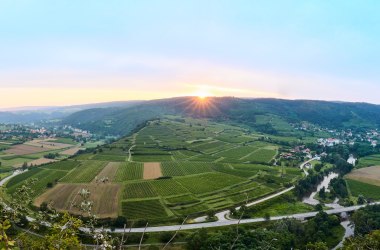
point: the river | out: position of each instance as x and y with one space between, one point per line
324 184
349 229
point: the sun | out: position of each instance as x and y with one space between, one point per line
203 94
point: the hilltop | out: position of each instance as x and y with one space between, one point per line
255 113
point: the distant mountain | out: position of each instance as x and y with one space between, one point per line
37 114
250 112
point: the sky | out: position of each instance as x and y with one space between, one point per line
85 51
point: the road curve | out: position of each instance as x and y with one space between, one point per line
16 172
208 224
302 166
233 222
223 214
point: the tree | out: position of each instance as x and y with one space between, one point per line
267 216
120 221
361 200
317 246
322 193
319 207
369 241
197 240
367 219
318 167
24 165
64 237
210 214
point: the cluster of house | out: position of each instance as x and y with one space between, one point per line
14 132
347 137
76 132
292 154
329 142
38 131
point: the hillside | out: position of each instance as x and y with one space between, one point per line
256 113
38 114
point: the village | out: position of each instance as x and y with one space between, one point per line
333 138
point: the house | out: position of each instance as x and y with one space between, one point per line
352 160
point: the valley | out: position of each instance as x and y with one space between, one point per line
178 167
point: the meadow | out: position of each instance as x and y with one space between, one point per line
365 181
368 161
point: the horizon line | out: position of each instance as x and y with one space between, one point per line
74 105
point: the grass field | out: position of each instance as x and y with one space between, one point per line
281 205
368 161
370 175
365 181
360 188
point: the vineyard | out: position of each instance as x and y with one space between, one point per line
197 168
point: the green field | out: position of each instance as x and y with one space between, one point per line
129 171
42 178
85 173
368 161
208 182
145 209
360 188
204 166
282 205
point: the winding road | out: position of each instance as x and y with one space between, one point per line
301 216
220 223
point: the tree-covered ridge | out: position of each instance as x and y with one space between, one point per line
256 113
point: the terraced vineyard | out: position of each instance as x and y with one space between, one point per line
86 172
204 166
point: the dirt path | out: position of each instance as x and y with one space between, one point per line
133 145
152 170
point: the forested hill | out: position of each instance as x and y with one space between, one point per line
41 114
120 121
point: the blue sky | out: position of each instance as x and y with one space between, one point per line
69 52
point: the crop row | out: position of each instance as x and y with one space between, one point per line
86 172
208 182
129 171
144 209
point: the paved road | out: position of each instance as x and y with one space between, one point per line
212 224
222 216
234 222
302 166
17 172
